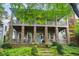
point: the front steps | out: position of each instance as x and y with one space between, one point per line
28 45
45 52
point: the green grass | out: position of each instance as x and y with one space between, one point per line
23 51
71 51
26 51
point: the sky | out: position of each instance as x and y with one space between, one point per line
7 6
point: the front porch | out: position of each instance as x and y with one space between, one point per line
37 34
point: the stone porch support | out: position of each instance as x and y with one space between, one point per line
34 35
46 35
68 35
10 32
22 34
57 34
67 32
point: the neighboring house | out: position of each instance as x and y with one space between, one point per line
1 34
4 28
5 23
1 31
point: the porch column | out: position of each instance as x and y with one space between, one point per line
34 35
18 37
67 34
22 34
57 34
10 32
46 35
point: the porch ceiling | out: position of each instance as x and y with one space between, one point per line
31 28
17 28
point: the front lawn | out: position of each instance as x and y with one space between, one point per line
71 51
26 51
23 51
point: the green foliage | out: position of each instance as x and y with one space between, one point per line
1 9
60 49
6 46
72 44
17 52
1 41
77 28
2 53
54 43
26 51
1 13
34 51
71 51
77 32
39 12
47 45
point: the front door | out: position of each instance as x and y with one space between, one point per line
29 37
40 38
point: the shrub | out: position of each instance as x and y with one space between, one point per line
54 43
60 49
72 44
6 46
47 45
2 53
34 51
74 53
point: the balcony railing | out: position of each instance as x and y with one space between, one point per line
62 23
48 23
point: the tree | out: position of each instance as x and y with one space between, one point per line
40 12
1 12
77 32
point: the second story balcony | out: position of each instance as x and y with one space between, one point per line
60 23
